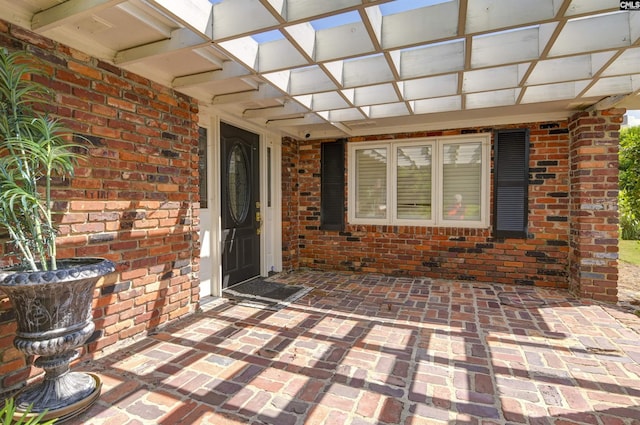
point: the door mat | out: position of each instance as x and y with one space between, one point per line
264 294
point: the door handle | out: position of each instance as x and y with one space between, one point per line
259 221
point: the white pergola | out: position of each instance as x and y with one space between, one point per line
334 68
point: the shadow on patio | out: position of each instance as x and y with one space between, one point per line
370 349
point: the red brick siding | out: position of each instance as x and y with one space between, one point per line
594 203
290 201
134 201
448 253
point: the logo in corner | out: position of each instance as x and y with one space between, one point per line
630 5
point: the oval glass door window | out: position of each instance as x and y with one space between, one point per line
238 184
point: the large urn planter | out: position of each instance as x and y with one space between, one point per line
54 318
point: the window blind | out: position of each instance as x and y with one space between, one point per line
461 181
371 186
413 174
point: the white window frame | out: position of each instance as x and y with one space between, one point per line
438 218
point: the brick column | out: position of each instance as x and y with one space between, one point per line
593 239
290 203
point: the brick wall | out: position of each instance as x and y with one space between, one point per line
290 201
594 207
449 253
134 202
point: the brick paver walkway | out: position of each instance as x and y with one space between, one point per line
377 350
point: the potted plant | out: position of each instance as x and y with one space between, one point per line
8 416
52 297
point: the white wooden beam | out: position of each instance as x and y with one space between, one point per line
264 91
346 130
607 102
208 54
64 12
288 108
306 119
143 14
181 39
229 70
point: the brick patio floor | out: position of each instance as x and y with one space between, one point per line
369 349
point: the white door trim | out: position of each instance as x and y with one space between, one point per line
271 237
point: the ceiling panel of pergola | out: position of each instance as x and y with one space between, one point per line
352 67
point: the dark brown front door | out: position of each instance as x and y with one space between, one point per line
240 204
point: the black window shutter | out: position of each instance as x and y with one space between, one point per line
511 179
332 186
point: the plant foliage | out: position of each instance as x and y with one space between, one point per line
8 412
34 149
629 159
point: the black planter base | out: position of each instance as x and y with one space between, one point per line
53 394
84 398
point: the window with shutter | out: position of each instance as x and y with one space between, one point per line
332 186
511 180
421 182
